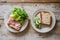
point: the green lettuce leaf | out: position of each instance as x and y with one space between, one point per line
19 14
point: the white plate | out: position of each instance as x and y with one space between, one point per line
6 17
44 29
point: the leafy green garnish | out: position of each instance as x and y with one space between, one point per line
37 22
19 14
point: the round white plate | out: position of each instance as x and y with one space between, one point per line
6 17
44 29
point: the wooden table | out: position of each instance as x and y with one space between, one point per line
29 0
29 33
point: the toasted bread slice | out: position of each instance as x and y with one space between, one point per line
45 18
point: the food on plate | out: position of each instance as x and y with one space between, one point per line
17 18
13 24
42 18
45 18
37 22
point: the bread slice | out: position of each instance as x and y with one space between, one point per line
45 18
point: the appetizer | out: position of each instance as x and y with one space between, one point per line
17 18
43 18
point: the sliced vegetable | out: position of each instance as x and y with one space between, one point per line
37 22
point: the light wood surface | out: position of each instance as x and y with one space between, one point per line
29 33
30 0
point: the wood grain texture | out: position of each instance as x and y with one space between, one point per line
30 0
29 33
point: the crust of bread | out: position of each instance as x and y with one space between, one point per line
40 17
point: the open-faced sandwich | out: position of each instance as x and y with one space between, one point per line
43 18
17 18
